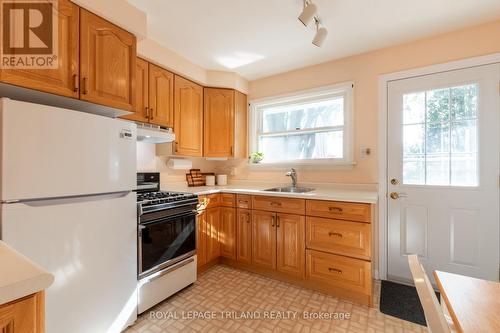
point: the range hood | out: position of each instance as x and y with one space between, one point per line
148 133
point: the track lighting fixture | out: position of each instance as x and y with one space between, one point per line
309 13
321 34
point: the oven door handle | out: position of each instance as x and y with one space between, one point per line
171 217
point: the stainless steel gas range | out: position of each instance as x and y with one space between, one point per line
166 240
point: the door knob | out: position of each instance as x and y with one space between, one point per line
396 195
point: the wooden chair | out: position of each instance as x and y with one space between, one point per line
436 316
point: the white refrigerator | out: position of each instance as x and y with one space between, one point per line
67 203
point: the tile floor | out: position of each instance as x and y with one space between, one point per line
224 291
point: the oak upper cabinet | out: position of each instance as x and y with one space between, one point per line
188 117
201 239
107 63
212 229
244 236
141 109
161 96
225 123
291 244
63 80
264 239
227 232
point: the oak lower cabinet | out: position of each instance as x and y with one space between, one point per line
107 63
244 236
212 228
290 244
278 242
161 96
227 232
264 239
188 117
63 80
224 111
25 315
201 239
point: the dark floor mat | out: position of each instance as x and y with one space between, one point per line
401 301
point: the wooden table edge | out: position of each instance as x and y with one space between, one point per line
442 291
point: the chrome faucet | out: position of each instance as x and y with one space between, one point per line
293 174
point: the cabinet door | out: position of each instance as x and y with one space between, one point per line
213 223
24 315
218 122
63 80
244 236
107 63
264 239
201 239
161 96
188 117
291 244
141 109
227 232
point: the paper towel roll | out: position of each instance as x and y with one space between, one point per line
179 163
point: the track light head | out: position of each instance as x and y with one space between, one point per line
320 36
308 13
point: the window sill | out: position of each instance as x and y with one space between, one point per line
298 164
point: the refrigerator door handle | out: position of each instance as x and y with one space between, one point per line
68 199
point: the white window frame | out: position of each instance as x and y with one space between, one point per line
345 89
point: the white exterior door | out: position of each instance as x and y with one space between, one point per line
443 168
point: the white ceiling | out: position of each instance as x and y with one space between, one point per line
258 38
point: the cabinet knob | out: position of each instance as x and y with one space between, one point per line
151 113
334 270
335 210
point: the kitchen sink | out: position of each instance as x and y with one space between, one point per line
290 189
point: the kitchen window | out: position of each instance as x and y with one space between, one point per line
305 128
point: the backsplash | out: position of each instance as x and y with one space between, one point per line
147 161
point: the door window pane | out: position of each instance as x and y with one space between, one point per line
440 143
414 108
414 169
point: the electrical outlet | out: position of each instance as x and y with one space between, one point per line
232 172
365 152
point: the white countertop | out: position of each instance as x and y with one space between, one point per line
338 192
19 276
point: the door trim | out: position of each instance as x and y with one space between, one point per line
383 84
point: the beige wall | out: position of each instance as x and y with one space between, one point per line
364 70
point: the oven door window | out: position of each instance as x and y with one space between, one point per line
166 239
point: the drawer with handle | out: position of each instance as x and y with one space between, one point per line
244 201
339 210
338 236
338 271
228 200
279 204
